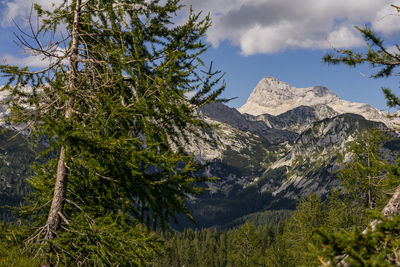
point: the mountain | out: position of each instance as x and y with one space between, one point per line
275 97
256 175
222 113
258 171
264 161
311 162
297 119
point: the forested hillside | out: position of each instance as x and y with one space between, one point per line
17 156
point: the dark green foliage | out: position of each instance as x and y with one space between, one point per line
134 245
270 217
107 240
119 112
376 247
368 181
293 246
367 175
222 210
379 247
290 242
194 248
245 247
241 246
16 157
12 252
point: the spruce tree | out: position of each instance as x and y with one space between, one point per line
113 106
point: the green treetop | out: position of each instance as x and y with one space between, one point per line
378 244
113 105
366 177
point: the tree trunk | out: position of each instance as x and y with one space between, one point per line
391 208
57 204
60 187
369 181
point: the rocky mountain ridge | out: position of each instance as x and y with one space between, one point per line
263 161
275 97
247 123
257 175
260 171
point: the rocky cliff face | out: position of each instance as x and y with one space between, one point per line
311 162
297 119
274 97
244 122
269 160
283 144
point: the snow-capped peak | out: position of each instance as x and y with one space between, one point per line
276 97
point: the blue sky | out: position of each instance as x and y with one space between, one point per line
285 39
300 68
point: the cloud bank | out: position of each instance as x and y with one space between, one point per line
19 10
271 26
32 61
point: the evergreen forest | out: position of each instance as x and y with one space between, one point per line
95 172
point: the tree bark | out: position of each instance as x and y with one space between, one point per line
60 187
391 208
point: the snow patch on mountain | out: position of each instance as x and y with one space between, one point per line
275 97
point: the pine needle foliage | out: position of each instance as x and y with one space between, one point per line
113 106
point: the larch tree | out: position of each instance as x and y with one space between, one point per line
366 177
245 246
113 107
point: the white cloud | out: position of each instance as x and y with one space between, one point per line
270 26
31 61
345 37
19 10
387 20
34 61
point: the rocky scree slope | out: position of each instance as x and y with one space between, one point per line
264 161
260 171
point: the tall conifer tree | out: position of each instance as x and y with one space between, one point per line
112 104
366 176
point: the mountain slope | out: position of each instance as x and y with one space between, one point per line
274 97
222 113
263 161
310 166
297 119
16 156
262 175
